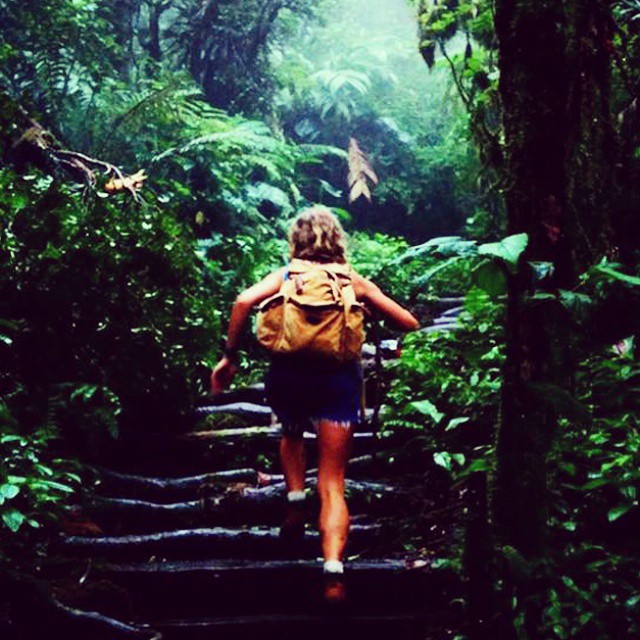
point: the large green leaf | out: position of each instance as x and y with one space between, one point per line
13 519
446 246
427 408
446 459
617 275
424 279
9 491
263 191
490 278
455 422
510 249
618 511
443 459
577 303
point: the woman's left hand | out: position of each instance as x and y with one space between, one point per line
222 375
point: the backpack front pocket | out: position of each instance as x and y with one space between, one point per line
270 321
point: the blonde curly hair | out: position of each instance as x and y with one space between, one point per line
317 235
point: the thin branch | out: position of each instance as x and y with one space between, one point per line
36 145
463 94
82 161
479 125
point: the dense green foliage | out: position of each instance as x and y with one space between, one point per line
446 389
104 319
100 294
112 308
33 489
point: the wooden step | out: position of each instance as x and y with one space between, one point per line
217 542
446 321
444 328
256 413
253 394
125 485
447 302
305 627
154 489
173 455
238 504
260 415
233 587
159 454
271 431
454 311
31 607
254 434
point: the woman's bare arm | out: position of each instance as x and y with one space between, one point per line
224 371
369 292
246 300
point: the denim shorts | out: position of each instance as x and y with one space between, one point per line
302 392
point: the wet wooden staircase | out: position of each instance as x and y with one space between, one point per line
189 538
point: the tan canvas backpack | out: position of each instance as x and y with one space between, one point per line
314 312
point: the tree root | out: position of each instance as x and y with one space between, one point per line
31 611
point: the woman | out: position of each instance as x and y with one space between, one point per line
303 394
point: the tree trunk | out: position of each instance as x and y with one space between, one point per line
555 79
155 49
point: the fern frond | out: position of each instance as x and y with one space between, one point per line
273 171
235 137
313 151
169 98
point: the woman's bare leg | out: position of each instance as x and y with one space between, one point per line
293 460
334 446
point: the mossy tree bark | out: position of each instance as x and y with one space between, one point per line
560 153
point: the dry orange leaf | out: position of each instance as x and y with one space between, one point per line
130 183
360 173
